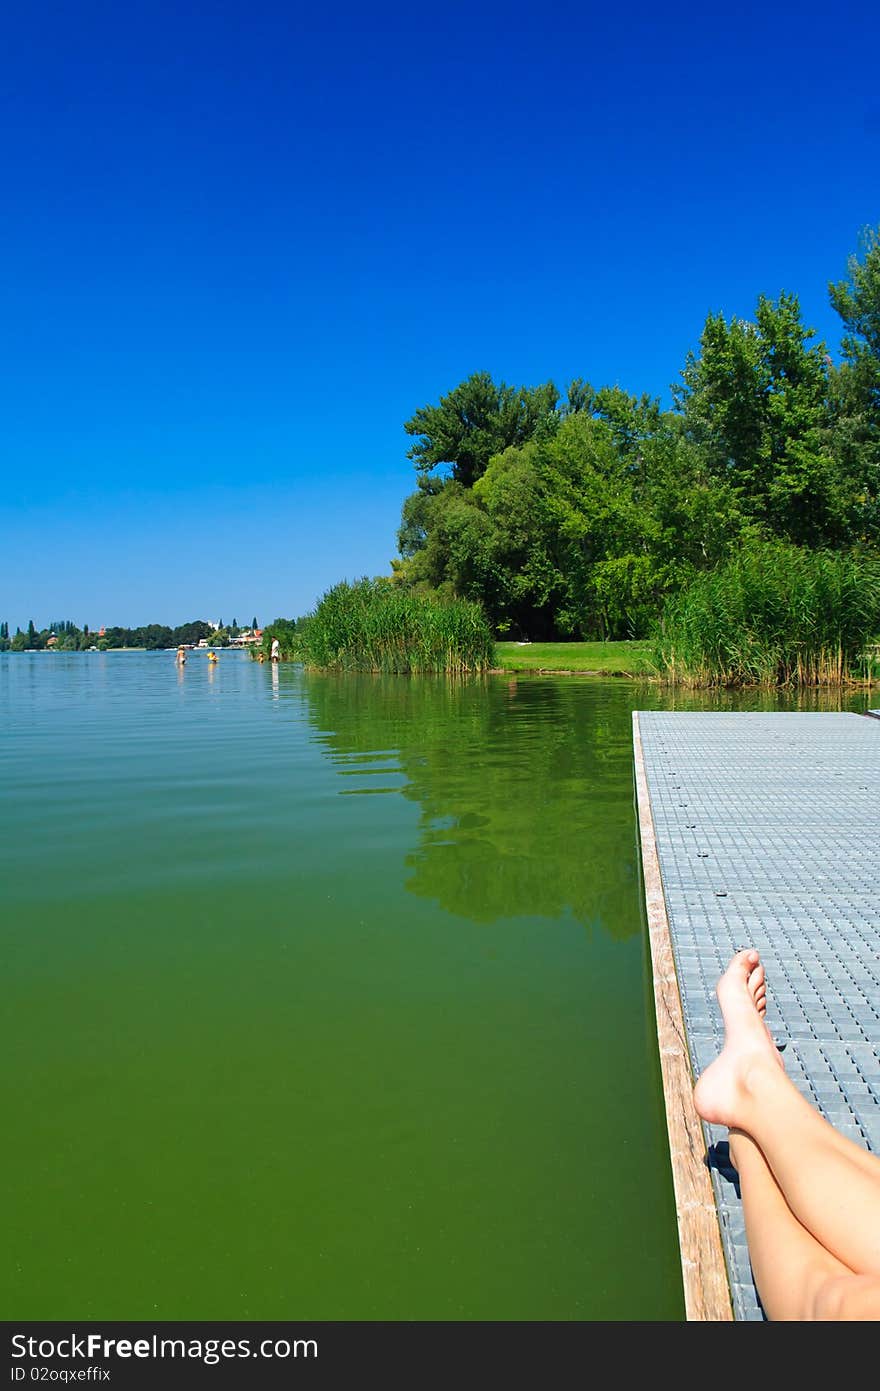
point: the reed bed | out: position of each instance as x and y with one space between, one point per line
372 625
775 616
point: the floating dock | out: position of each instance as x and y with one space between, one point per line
759 830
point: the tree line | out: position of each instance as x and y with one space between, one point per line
578 515
152 636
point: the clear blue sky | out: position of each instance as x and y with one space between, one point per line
242 242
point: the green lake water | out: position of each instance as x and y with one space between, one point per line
325 997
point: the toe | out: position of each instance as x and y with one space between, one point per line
743 964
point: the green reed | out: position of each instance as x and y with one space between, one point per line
776 615
373 625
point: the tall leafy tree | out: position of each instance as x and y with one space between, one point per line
855 385
755 402
416 516
857 301
475 421
573 535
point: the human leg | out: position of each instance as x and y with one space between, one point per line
830 1185
788 1263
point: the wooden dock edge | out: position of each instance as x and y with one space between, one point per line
703 1268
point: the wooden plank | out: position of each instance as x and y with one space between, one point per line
704 1273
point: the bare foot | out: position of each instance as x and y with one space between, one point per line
721 1093
758 992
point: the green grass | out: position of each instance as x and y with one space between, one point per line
602 658
776 615
372 625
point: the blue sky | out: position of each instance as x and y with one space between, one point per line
242 243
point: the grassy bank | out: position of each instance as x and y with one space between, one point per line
775 616
595 658
372 625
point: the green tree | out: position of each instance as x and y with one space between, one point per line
284 629
581 533
475 421
416 515
188 633
755 402
857 301
35 639
855 386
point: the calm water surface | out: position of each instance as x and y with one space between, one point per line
326 998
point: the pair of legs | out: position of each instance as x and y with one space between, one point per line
811 1197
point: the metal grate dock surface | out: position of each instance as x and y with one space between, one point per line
767 829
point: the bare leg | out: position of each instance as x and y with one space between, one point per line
789 1265
830 1185
797 1278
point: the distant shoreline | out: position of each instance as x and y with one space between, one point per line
105 651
